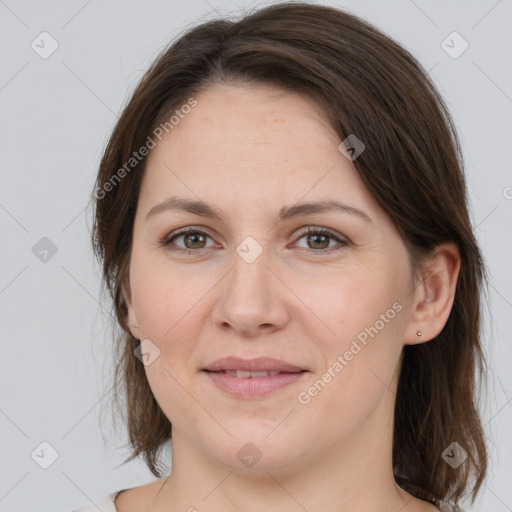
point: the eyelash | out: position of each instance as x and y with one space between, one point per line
167 240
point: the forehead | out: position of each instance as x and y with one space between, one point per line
252 143
261 103
260 121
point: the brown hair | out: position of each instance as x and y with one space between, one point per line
370 86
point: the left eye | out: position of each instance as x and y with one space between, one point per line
316 238
322 237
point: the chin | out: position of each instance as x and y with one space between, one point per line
257 452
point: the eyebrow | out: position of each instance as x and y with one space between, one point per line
203 209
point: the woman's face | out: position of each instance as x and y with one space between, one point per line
255 284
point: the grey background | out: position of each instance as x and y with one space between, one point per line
56 115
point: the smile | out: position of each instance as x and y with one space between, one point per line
247 384
245 373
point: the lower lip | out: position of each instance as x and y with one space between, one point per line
252 387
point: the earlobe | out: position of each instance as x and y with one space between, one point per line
434 296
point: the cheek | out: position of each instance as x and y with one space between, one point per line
173 397
357 379
366 319
164 301
351 303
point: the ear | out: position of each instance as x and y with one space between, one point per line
130 317
434 295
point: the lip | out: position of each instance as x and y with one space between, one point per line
252 387
258 364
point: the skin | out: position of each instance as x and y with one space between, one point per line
249 152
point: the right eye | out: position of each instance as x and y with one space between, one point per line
192 238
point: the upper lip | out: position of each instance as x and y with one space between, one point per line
259 364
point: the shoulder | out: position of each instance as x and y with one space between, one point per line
446 507
137 498
427 506
105 505
126 499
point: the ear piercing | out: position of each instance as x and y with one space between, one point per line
418 333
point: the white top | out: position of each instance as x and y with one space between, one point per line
107 505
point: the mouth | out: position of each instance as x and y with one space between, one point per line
248 385
244 374
252 378
258 367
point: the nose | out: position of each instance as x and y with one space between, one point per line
252 300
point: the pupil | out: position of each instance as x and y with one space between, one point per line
188 237
324 239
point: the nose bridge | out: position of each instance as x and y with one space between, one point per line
250 272
250 297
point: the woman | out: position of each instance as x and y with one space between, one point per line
281 214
